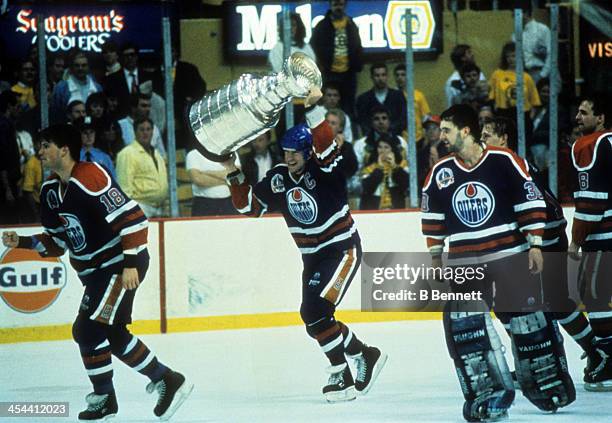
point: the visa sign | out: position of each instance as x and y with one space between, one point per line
252 29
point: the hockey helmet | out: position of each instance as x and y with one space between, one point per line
298 138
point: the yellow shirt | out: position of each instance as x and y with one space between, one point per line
32 177
26 95
341 59
421 109
502 86
140 178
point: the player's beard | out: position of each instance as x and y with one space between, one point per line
457 146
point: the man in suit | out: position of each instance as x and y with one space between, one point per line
125 81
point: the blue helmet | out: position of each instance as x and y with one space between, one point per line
298 138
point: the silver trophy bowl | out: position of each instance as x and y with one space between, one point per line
228 118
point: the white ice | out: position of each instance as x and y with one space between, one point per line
275 375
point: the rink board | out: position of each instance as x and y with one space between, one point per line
217 274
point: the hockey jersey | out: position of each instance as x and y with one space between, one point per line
490 209
94 220
554 229
314 205
592 158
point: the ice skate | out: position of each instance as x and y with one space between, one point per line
100 407
598 371
173 390
368 363
340 386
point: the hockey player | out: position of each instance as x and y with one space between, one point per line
592 232
309 189
485 202
501 132
85 212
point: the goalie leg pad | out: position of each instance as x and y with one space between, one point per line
540 361
481 367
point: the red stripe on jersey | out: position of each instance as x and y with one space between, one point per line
426 227
135 239
90 176
53 250
328 234
120 224
432 242
531 215
583 149
489 245
322 137
598 206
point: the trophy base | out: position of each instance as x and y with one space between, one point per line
211 156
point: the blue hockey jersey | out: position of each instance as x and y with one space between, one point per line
314 205
490 209
94 220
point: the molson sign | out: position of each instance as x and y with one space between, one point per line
85 25
252 29
30 283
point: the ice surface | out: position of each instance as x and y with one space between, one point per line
275 375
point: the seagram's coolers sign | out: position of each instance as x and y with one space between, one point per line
28 282
251 29
84 25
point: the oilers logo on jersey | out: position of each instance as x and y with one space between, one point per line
473 203
302 205
74 231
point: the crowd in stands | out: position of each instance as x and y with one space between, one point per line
120 111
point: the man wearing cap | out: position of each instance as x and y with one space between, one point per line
429 149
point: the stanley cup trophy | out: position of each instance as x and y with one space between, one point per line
228 118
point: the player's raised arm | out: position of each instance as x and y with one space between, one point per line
243 198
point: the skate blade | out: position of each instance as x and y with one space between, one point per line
598 386
103 419
179 398
380 363
349 394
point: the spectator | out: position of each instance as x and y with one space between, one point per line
473 91
331 100
140 107
430 149
123 82
421 107
89 153
485 113
26 79
461 55
337 45
75 110
141 171
541 125
9 159
503 89
33 176
381 95
111 140
56 69
78 85
385 178
158 105
188 87
380 123
348 164
536 47
262 157
95 107
211 195
298 33
110 54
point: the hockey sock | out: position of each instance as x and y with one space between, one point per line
99 367
331 342
352 345
578 327
136 355
601 322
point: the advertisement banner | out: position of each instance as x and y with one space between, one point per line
251 30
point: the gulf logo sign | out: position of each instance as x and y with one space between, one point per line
30 283
423 24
